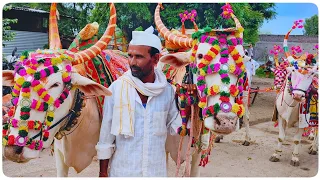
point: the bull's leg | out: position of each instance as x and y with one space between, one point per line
247 137
195 168
276 155
167 161
313 149
62 168
246 121
295 153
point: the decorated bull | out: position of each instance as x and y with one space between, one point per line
51 97
216 65
293 101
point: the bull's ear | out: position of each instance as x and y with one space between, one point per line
8 78
177 59
89 87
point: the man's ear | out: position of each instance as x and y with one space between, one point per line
155 58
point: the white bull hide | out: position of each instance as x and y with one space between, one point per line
287 111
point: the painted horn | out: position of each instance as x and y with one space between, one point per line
54 38
238 24
183 42
85 55
286 48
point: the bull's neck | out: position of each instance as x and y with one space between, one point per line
287 97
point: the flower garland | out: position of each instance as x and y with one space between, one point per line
276 50
186 15
227 11
224 47
185 100
30 78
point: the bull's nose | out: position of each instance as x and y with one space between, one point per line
14 153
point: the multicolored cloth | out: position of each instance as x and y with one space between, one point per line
104 68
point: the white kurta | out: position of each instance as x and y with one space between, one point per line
143 154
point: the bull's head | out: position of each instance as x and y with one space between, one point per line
217 61
300 73
44 85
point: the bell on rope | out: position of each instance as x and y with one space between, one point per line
72 125
83 103
78 113
75 121
68 128
58 135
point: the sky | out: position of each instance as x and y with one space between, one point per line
287 13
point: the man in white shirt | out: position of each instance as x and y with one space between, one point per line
138 115
251 67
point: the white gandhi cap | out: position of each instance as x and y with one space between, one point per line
146 38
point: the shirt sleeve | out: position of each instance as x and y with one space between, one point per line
174 120
106 143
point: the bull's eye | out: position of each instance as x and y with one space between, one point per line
200 56
54 85
293 70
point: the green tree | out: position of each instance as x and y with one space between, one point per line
6 34
311 26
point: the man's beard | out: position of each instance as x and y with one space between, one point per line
138 73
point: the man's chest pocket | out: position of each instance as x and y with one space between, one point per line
159 123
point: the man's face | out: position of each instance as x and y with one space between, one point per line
140 61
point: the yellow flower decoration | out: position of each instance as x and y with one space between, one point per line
232 68
20 81
50 113
216 88
202 72
50 101
23 128
235 108
30 71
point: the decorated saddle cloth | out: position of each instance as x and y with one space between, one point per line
105 68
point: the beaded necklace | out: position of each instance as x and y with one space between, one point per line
30 78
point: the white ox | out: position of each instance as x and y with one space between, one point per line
77 148
287 110
221 122
290 102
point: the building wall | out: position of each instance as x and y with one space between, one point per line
25 40
266 43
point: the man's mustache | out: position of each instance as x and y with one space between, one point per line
136 68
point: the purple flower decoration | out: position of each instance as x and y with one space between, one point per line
227 11
193 15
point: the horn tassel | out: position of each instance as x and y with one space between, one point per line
92 52
183 42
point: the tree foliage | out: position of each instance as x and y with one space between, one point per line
7 35
133 15
311 26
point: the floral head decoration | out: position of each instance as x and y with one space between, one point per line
27 77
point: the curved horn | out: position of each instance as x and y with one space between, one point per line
286 48
238 25
54 38
85 55
183 42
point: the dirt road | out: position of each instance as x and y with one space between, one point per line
228 158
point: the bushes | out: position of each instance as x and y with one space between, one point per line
260 72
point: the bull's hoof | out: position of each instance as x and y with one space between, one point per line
311 138
246 143
294 163
218 138
313 152
274 159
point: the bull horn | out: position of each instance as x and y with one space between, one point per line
183 42
238 25
85 55
54 38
